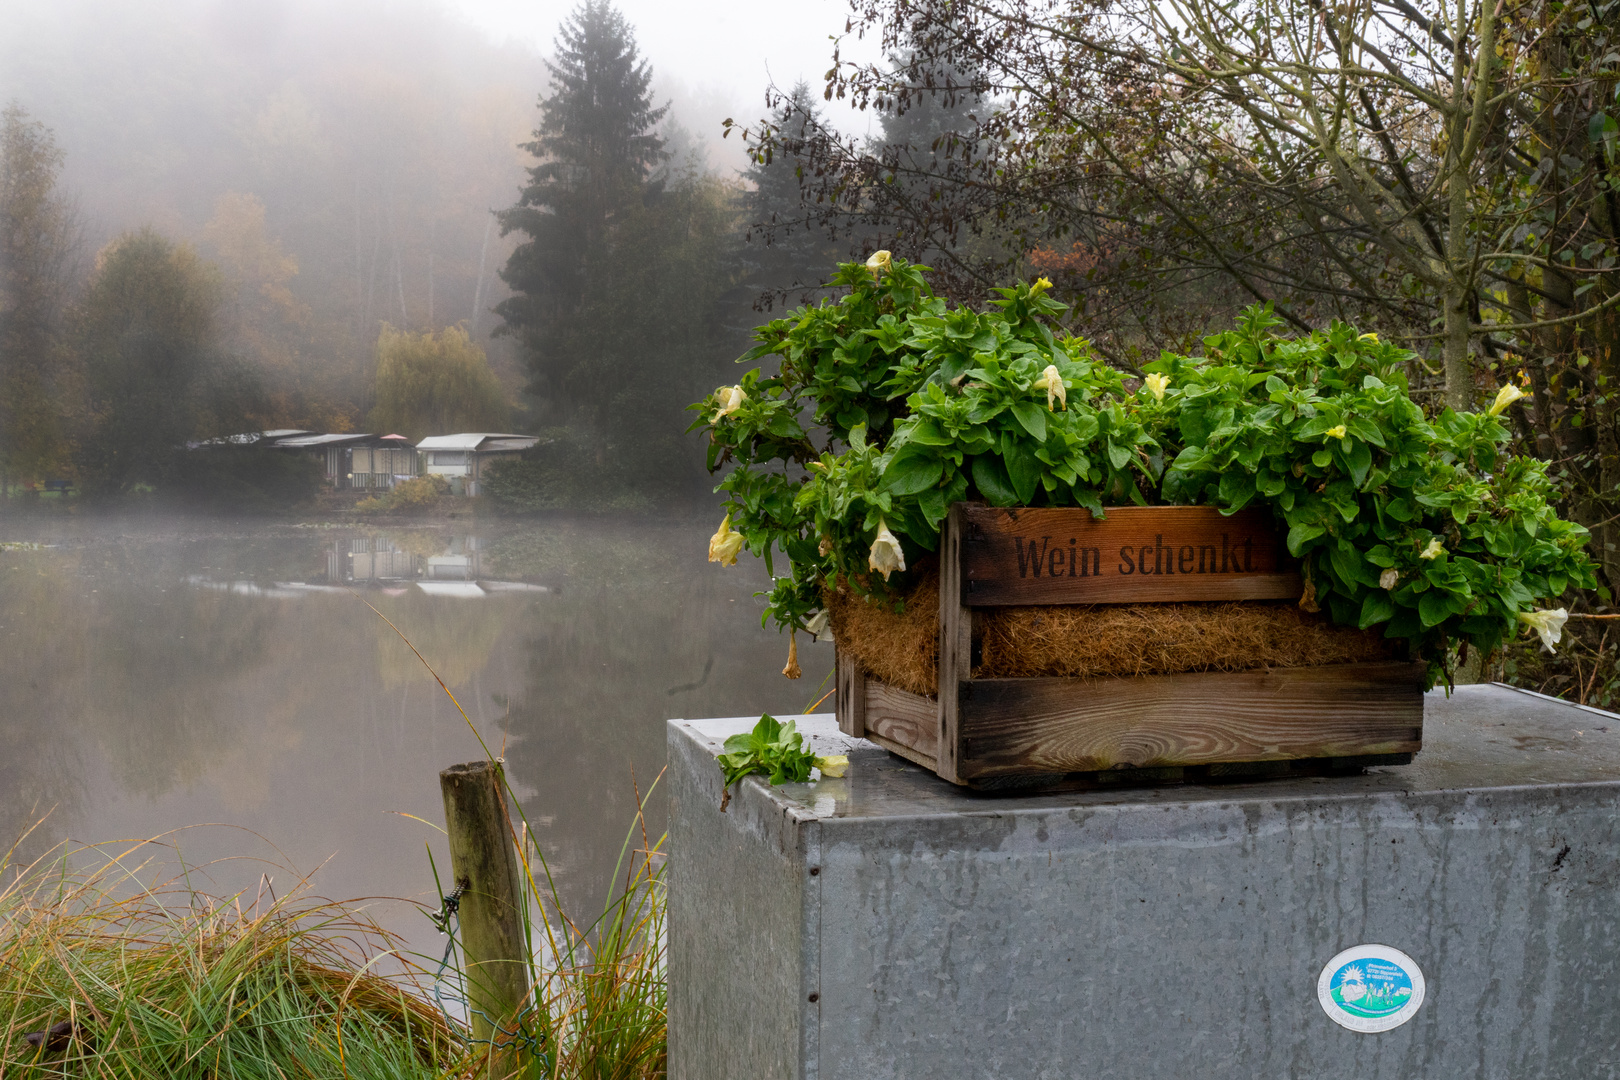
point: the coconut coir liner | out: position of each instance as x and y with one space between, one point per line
902 649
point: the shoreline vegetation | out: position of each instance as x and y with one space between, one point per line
110 970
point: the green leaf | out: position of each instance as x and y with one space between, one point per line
1300 535
1032 418
1377 608
909 474
1023 470
990 477
1434 607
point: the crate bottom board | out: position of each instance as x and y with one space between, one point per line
1267 721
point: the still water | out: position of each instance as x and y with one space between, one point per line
159 675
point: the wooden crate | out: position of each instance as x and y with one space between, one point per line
999 732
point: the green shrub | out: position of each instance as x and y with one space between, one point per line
889 405
417 495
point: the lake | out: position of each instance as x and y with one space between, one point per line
227 679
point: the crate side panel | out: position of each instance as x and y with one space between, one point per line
1013 726
1137 554
899 716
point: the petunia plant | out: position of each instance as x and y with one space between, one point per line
888 405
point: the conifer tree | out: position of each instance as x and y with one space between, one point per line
598 151
787 252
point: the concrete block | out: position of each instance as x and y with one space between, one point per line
889 925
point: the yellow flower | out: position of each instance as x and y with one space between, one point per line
1336 431
1368 337
1505 397
820 626
886 556
791 670
1052 383
1387 579
832 764
730 399
1156 385
1548 624
1433 551
879 262
1040 286
725 543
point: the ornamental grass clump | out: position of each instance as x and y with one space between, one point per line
102 975
887 405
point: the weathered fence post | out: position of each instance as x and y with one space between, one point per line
483 856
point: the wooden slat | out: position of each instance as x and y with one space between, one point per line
904 751
850 701
1137 554
955 644
1012 726
899 716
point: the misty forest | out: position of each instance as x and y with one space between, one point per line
359 416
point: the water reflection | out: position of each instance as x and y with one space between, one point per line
155 678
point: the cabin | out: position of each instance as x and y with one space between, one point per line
462 458
360 461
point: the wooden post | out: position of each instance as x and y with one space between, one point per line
955 645
482 854
851 696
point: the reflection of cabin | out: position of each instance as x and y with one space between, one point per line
360 461
378 558
371 558
461 459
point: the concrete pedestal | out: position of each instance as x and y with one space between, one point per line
888 925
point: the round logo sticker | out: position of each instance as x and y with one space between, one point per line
1370 988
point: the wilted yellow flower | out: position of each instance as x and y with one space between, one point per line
1052 383
791 670
1387 579
1433 551
825 547
725 544
1156 385
879 262
730 399
886 556
1041 285
1336 431
832 764
1505 397
1368 337
819 626
1548 624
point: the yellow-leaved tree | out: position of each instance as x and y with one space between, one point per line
435 384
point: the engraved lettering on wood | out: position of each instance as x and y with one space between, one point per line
1136 554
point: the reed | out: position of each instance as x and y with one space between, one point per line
599 990
104 973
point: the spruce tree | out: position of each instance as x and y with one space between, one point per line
787 252
598 151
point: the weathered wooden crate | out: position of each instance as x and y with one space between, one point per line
995 732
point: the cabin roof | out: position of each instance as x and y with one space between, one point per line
478 440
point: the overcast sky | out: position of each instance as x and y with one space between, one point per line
719 49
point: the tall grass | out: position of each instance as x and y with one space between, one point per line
599 990
119 976
597 1007
119 972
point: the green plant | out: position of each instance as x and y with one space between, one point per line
417 493
119 977
777 751
1426 527
833 469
